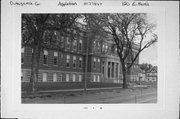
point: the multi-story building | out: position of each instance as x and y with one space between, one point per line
94 60
151 75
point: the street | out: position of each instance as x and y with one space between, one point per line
132 95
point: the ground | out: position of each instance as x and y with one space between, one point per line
118 95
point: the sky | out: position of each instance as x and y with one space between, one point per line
149 55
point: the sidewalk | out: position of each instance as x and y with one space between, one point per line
51 92
94 96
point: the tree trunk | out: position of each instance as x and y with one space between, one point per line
124 76
34 69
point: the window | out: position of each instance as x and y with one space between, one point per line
109 69
44 77
98 64
98 78
60 77
22 55
74 44
80 45
94 78
74 77
103 67
112 70
80 78
21 76
98 47
67 43
80 62
67 61
106 48
54 77
103 48
62 42
67 77
74 61
94 63
45 57
94 45
55 58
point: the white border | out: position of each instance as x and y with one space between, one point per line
11 66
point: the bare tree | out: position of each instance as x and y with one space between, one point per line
145 67
38 31
129 32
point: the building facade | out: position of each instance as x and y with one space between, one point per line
151 75
92 59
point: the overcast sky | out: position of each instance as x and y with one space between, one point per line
149 55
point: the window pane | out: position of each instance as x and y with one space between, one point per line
94 78
55 53
45 56
74 61
67 77
80 78
80 62
80 44
74 77
67 61
44 79
54 77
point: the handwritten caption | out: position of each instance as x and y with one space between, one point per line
17 3
145 3
74 3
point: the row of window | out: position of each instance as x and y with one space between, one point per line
58 77
96 78
113 70
68 41
74 44
55 59
96 63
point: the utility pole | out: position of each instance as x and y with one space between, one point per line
87 53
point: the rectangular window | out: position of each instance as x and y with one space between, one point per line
74 61
103 48
67 77
68 43
98 78
98 64
94 63
60 78
75 45
54 77
103 65
44 77
106 49
80 78
62 42
55 58
67 61
109 69
74 78
80 45
22 76
94 78
112 70
98 46
80 62
45 57
22 55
